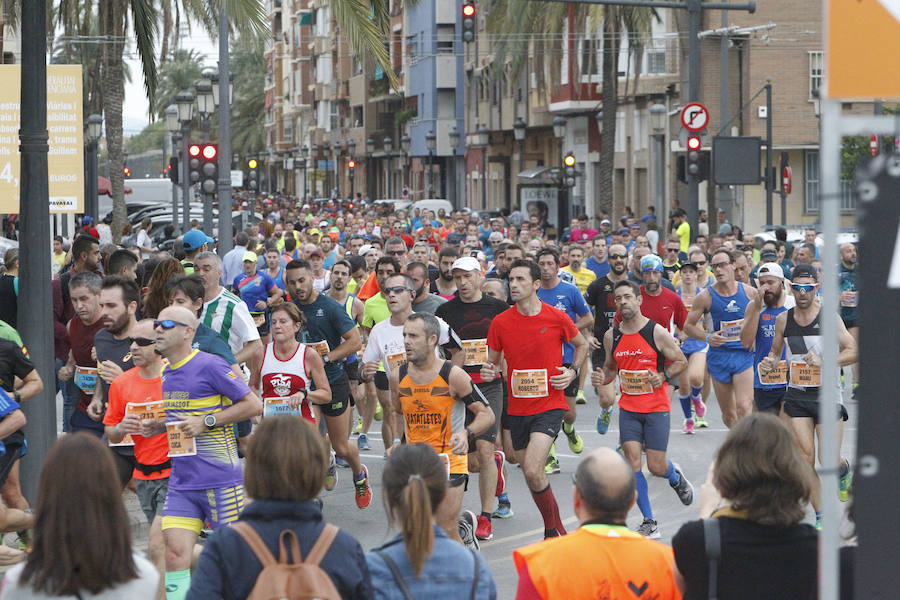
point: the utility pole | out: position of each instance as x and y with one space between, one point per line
225 225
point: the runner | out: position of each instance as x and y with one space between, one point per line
597 261
849 299
728 361
637 350
797 333
333 334
433 398
565 297
690 382
583 276
470 314
202 399
530 336
443 285
424 301
259 293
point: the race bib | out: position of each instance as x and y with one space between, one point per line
143 410
778 376
635 382
320 347
476 351
259 319
852 299
529 383
395 361
731 330
179 443
805 375
86 379
278 406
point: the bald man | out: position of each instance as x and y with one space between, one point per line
203 398
602 554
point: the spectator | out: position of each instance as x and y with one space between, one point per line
156 297
285 469
427 562
94 558
602 554
766 552
9 288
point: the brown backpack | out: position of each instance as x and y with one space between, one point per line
295 580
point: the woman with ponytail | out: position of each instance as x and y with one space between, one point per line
422 562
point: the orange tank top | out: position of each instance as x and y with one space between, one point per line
431 413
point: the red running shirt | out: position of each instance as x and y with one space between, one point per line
635 355
667 309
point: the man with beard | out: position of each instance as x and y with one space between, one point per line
600 297
659 304
423 302
849 298
444 286
119 299
759 329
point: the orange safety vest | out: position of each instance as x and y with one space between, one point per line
599 561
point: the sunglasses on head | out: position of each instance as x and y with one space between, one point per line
804 287
141 341
397 289
168 324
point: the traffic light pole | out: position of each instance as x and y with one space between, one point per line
225 202
186 179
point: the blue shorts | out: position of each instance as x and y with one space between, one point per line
650 429
192 509
692 346
723 363
769 399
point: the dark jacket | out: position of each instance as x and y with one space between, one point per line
228 568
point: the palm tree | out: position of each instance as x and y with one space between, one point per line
248 134
178 73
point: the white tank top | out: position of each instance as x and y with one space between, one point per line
282 378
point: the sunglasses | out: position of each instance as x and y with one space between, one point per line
168 324
141 341
697 265
673 249
720 264
395 252
397 289
806 288
616 256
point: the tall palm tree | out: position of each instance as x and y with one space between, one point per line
248 134
181 69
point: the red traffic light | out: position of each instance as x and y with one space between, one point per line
194 149
209 151
468 10
351 164
693 143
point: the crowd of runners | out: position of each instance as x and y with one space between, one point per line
469 338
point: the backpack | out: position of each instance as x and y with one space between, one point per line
294 580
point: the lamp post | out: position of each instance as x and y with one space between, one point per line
185 103
173 126
519 133
484 138
304 152
658 125
351 152
94 129
453 135
370 172
405 144
559 131
206 106
314 157
430 143
388 150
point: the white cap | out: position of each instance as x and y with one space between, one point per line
770 269
365 249
466 263
495 236
605 222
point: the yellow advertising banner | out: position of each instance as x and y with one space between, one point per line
65 124
861 53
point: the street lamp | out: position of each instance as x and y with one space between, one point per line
185 103
430 143
484 138
388 151
519 132
405 144
214 79
94 130
658 125
205 104
370 176
173 125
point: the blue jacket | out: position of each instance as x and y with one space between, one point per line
448 572
228 568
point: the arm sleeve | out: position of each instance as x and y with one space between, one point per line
569 329
21 365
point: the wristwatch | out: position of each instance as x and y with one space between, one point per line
209 421
326 359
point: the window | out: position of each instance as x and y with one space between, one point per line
656 62
564 59
811 186
287 130
333 116
621 134
816 71
445 40
641 126
412 47
590 49
357 116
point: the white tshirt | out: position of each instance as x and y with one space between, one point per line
386 344
229 316
142 588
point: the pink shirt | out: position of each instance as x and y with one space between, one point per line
582 236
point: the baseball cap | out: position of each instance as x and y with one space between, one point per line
651 262
495 236
249 255
605 222
768 256
316 251
314 231
87 220
771 269
365 249
466 263
195 238
323 224
804 270
687 265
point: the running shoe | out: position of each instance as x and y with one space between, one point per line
818 524
341 462
483 531
845 484
700 421
620 449
699 408
358 427
379 413
689 426
649 529
576 444
331 477
362 442
499 459
504 511
603 420
26 540
552 465
683 488
579 398
466 524
318 502
363 491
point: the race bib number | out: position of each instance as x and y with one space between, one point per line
278 406
731 330
635 382
805 375
259 319
179 443
476 351
530 383
852 299
778 376
86 379
395 361
143 410
320 347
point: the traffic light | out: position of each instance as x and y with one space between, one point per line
252 176
468 21
173 170
209 168
126 171
351 168
194 163
569 162
697 161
